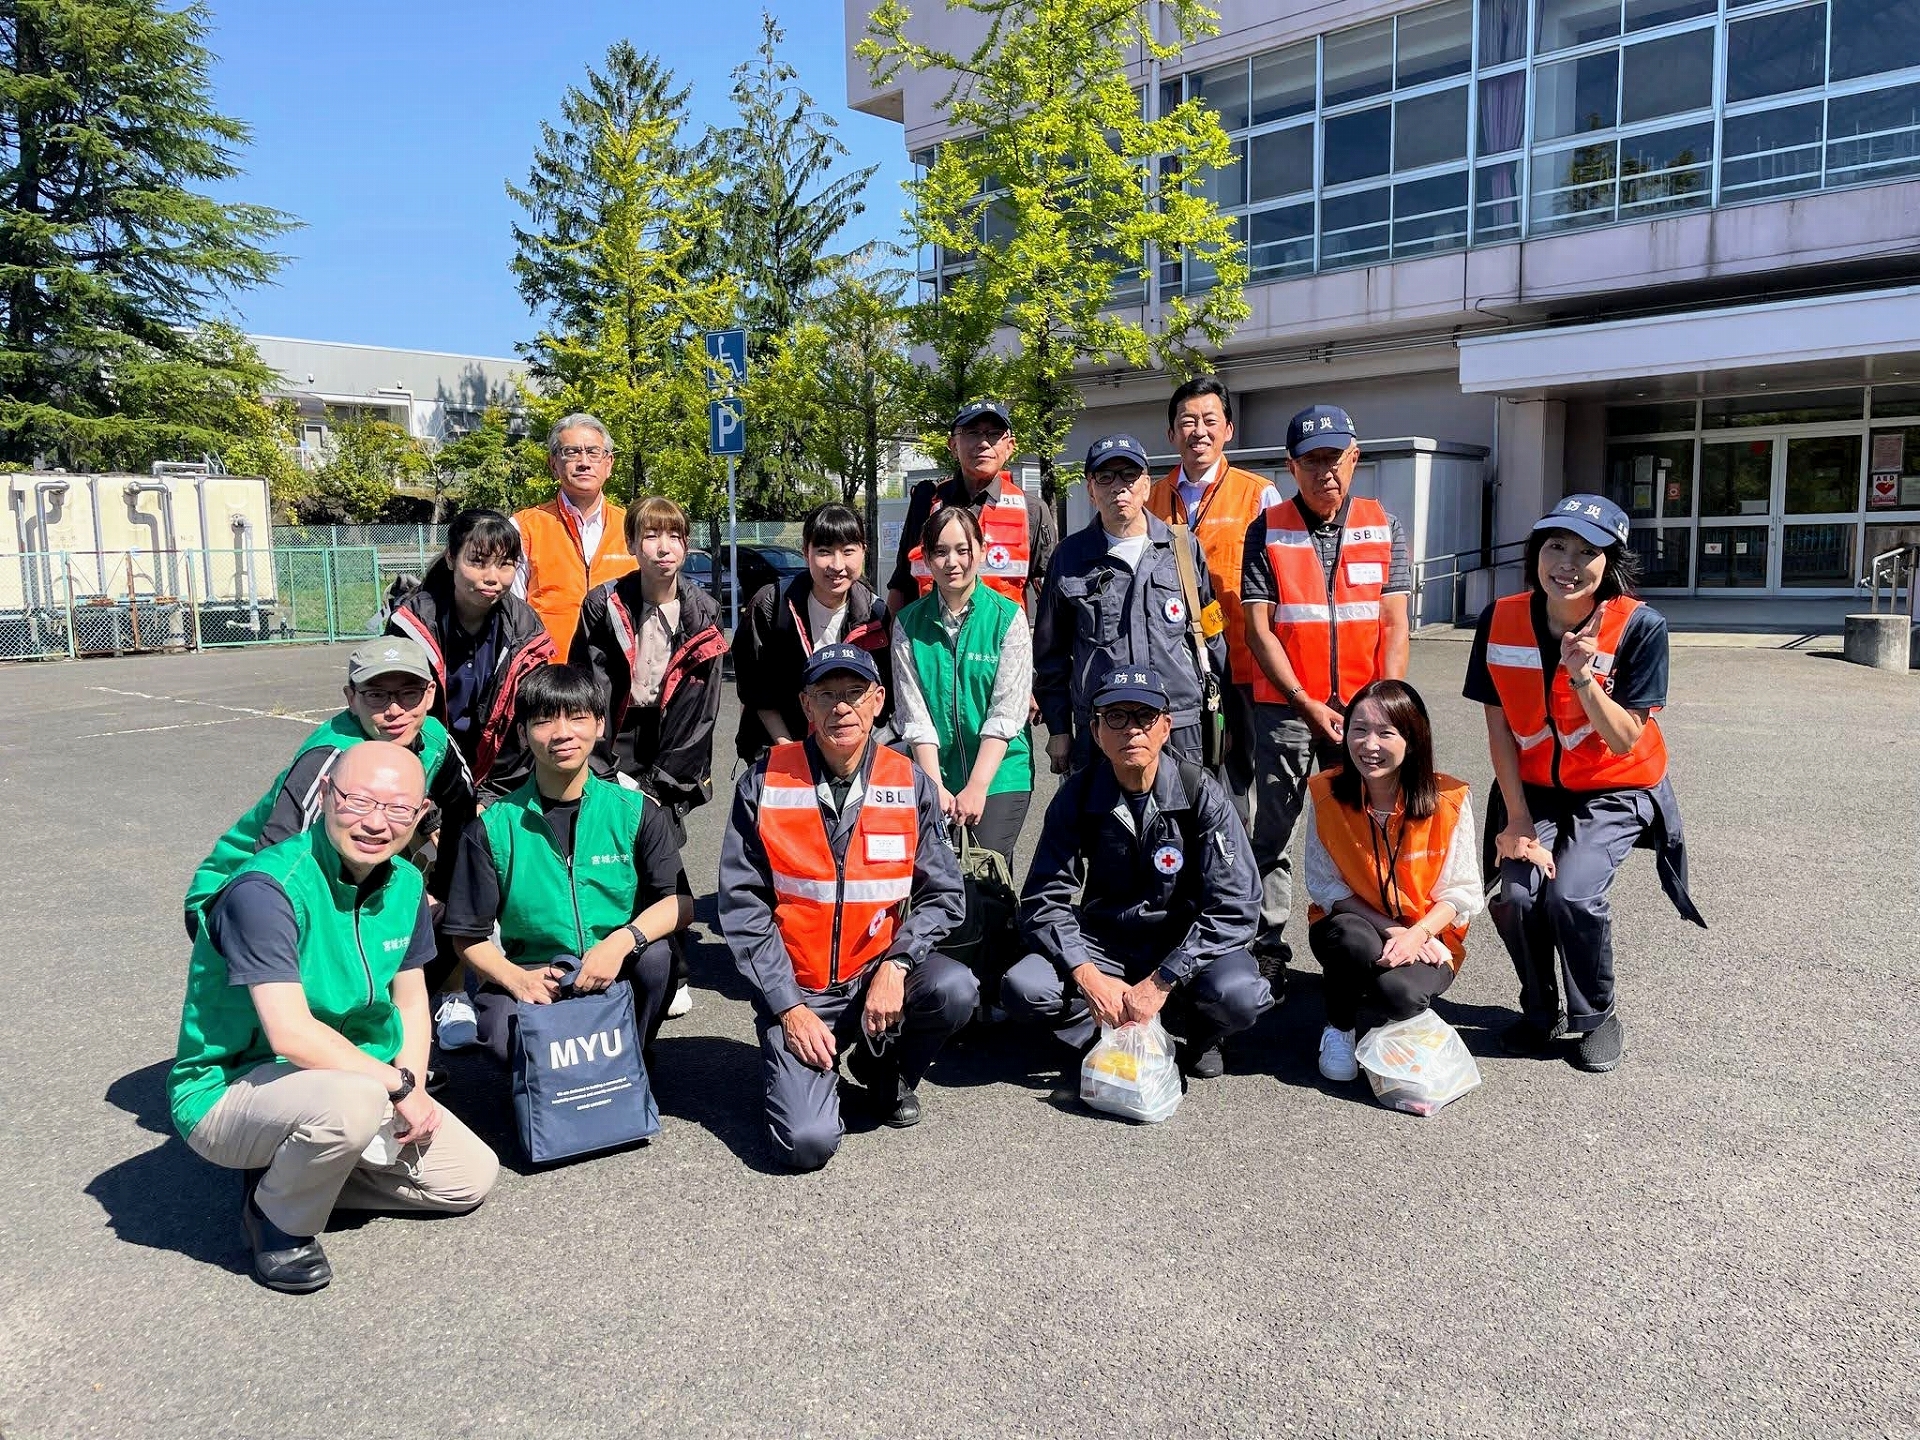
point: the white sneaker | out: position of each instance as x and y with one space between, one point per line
681 1003
1336 1055
455 1024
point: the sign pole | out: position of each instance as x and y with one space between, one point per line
733 548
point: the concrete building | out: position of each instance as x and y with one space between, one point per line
430 395
1666 249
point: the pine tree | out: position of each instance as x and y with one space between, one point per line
784 212
1051 196
110 259
617 261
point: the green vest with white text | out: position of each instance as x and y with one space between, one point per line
551 906
956 674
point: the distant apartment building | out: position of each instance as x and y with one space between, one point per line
1664 249
431 395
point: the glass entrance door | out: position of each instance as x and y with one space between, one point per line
1734 544
1778 513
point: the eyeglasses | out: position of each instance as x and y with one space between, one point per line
847 696
989 434
407 697
583 452
1117 479
1128 717
1319 462
398 811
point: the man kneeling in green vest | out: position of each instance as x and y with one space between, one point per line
389 696
568 864
305 1028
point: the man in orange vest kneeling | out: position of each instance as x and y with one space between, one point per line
1324 588
837 885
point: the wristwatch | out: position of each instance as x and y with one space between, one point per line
394 1097
640 941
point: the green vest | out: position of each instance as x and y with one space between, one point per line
349 954
550 906
236 847
956 675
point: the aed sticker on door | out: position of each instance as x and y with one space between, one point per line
886 847
1366 572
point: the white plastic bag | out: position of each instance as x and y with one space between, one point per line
1131 1073
1418 1064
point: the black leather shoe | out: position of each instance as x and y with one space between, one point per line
436 1081
1273 958
1601 1049
1207 1064
906 1108
292 1264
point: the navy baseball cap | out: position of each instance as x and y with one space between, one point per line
1115 447
974 409
1591 517
1320 427
831 658
1140 685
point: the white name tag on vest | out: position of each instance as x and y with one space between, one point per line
886 847
1366 572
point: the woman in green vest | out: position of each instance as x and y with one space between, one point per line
963 679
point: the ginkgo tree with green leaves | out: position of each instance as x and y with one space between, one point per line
1056 188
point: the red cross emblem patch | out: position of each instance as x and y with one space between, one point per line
1168 860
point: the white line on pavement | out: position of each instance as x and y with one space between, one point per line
207 704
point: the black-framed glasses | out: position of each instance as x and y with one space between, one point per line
352 803
406 696
1128 717
1117 478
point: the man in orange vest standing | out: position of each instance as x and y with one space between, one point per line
1019 537
837 886
1324 586
577 540
1218 502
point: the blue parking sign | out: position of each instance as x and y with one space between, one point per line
728 349
727 426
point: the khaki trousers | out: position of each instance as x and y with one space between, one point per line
308 1129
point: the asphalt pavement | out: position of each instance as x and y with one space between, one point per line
1717 1239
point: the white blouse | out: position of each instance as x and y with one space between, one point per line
1460 884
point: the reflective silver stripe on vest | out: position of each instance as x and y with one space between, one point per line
802 889
1288 537
1539 737
1516 657
855 892
1357 610
1567 742
1299 614
788 797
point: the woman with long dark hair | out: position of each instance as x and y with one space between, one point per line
1392 872
1571 671
963 668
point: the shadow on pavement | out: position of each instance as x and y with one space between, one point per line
713 1081
168 1198
709 962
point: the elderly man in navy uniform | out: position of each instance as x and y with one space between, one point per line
1143 896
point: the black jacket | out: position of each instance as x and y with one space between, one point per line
493 751
674 765
771 647
1177 895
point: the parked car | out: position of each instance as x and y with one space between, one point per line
760 565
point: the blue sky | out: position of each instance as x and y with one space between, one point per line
390 130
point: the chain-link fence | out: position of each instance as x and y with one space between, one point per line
402 549
73 603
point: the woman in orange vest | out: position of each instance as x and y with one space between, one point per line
1571 671
1392 872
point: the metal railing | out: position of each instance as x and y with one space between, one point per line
1894 570
71 603
1455 604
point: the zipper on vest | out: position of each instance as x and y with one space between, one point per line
573 890
839 909
359 947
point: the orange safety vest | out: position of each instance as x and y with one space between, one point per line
1227 510
559 574
837 919
1558 744
1398 873
1003 527
1318 631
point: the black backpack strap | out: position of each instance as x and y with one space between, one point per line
1191 776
